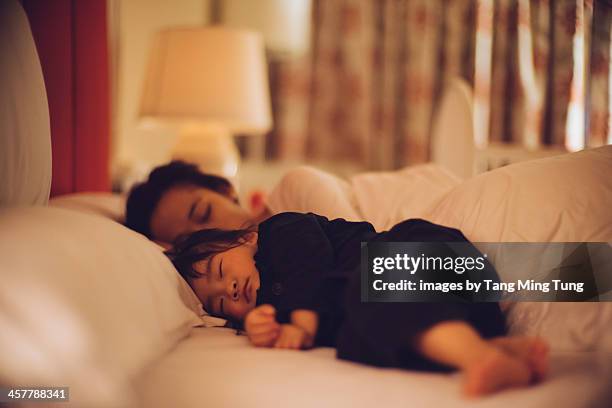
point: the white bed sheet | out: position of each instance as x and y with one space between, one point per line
215 368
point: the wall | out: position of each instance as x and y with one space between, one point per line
284 24
134 23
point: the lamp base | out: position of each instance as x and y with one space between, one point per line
211 148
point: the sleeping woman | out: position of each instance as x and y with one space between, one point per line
295 284
177 198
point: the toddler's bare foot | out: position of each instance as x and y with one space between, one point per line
494 372
532 350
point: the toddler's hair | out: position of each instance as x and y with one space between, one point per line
203 244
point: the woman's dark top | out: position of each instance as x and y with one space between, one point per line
306 261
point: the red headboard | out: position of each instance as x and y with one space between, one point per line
71 38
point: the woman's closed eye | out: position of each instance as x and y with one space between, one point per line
193 212
207 213
192 209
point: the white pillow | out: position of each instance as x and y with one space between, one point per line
25 135
85 303
387 198
568 326
381 198
308 189
107 205
560 199
112 206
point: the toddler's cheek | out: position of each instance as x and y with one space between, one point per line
244 311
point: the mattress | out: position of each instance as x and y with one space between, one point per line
214 367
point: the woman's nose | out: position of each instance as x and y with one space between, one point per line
232 289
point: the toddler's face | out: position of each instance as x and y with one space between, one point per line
228 287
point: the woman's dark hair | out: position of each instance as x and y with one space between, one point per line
203 244
143 197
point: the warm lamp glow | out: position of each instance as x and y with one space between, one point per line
210 74
213 82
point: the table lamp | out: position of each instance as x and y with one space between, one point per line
212 82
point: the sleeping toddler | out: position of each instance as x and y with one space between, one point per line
294 283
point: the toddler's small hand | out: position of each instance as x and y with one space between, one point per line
291 337
261 326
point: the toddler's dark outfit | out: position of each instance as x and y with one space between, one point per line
306 261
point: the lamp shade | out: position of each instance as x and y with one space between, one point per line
211 75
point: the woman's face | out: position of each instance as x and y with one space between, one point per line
187 208
229 283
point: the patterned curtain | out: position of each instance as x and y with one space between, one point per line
369 88
543 53
599 92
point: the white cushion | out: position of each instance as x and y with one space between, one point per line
308 189
452 144
85 303
387 198
381 198
25 136
560 199
568 326
107 205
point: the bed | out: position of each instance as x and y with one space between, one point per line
579 334
214 367
88 304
